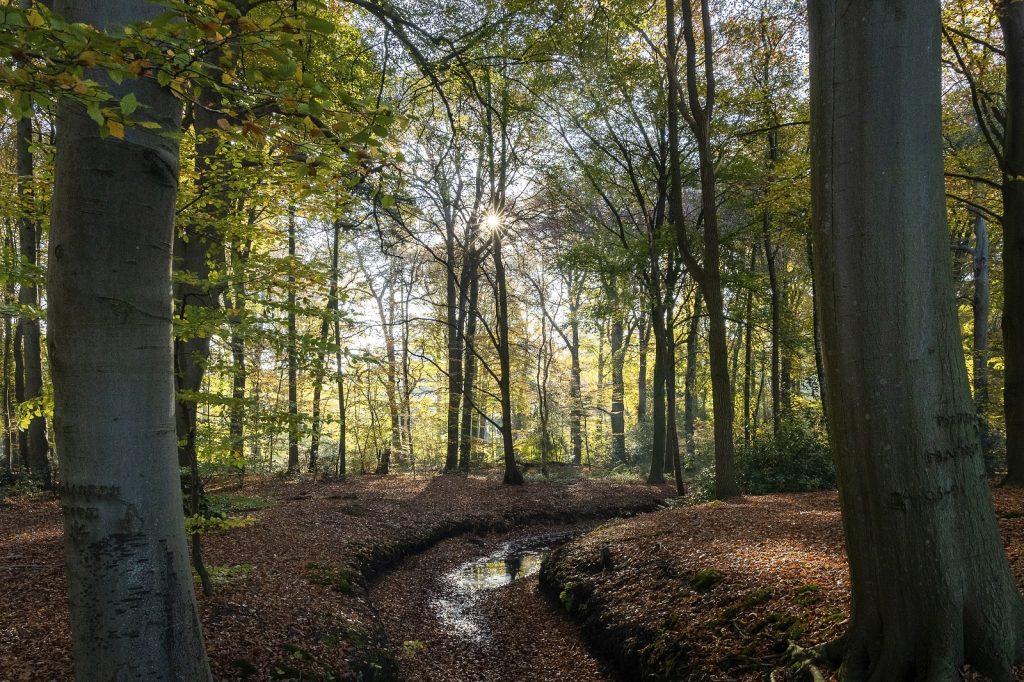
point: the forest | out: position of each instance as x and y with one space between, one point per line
467 340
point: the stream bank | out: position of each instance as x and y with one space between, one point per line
469 610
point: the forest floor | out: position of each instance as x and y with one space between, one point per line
291 597
718 591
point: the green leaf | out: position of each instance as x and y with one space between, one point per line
95 114
129 104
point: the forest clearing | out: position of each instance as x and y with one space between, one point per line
512 340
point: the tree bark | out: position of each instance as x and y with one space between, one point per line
690 381
133 610
321 360
512 473
576 387
618 417
1011 18
931 586
641 382
28 298
455 293
469 375
292 352
659 426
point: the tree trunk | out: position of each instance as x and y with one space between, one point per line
659 427
28 298
133 610
931 587
776 310
690 382
321 360
708 273
469 375
576 387
1011 17
512 474
641 382
980 307
455 305
819 362
239 373
618 417
292 354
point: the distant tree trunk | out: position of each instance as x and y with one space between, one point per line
689 396
239 374
321 360
8 412
673 462
340 468
196 248
659 425
293 354
931 586
770 252
641 383
28 298
618 417
469 375
747 352
980 307
1011 18
19 390
455 305
132 606
512 474
708 273
576 387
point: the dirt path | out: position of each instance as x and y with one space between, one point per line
506 633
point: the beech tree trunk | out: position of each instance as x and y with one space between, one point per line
455 306
1011 18
690 381
28 298
931 585
576 387
321 361
469 374
618 407
659 427
292 355
641 382
512 473
132 605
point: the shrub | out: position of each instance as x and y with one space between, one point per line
798 459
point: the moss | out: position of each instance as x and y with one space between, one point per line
223 504
411 647
807 595
705 579
340 579
225 575
747 602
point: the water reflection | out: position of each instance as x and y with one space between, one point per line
462 588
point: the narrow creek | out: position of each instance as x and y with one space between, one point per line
469 609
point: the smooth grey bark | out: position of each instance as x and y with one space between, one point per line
291 352
576 387
239 372
28 298
775 301
931 586
1011 19
466 433
618 407
132 605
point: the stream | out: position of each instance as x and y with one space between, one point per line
469 609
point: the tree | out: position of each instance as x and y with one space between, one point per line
931 585
1011 18
133 610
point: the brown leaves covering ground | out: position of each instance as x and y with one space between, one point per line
285 612
774 570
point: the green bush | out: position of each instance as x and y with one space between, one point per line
798 459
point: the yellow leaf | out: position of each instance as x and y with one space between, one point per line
34 19
116 128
